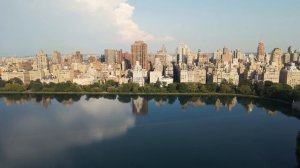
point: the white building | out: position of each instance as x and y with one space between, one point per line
138 74
290 75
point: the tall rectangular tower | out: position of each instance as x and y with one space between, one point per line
261 53
139 52
110 56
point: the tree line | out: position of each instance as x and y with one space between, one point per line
262 89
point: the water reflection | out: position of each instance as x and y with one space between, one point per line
34 131
139 104
32 125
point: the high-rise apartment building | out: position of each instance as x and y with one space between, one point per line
277 57
42 61
77 57
182 53
139 51
226 56
56 57
110 56
261 53
290 75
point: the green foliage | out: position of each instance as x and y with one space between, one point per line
192 87
245 89
13 87
259 88
212 88
296 95
183 88
158 84
111 83
263 89
35 86
297 87
172 88
15 81
225 88
67 87
111 89
129 87
2 83
281 91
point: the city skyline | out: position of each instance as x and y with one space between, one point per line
93 25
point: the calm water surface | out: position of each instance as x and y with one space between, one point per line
124 131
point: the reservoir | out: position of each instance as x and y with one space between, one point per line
147 131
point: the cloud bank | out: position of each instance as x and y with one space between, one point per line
29 134
120 12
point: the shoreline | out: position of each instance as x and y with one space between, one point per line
144 94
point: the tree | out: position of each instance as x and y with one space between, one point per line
225 88
192 87
259 88
296 95
111 89
297 87
15 81
13 87
268 83
2 83
172 88
111 83
212 87
245 89
157 84
35 86
183 88
125 88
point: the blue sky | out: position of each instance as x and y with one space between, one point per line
92 25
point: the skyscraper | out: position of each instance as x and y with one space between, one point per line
277 57
56 57
261 53
139 51
120 56
77 58
182 52
42 61
110 56
226 56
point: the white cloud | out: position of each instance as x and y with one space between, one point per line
120 12
31 133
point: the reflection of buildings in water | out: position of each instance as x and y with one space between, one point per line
160 103
270 112
230 105
45 101
8 101
140 106
218 105
250 107
197 103
194 103
68 102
